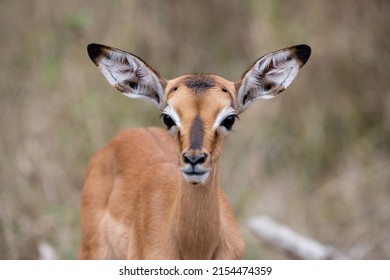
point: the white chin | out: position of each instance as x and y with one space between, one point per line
196 178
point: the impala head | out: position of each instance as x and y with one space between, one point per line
199 111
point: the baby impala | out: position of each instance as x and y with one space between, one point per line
154 193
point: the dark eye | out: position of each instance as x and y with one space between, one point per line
229 121
168 121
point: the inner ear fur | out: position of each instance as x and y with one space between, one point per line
128 73
270 75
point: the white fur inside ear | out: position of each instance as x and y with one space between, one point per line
268 77
284 69
272 74
131 76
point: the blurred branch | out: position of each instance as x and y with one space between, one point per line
282 237
46 251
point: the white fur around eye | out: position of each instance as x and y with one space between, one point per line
172 113
221 117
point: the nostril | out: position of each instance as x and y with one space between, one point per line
194 159
200 158
186 158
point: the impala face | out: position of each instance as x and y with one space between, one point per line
199 111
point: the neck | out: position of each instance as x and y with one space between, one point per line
196 218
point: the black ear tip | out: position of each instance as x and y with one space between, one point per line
94 51
303 52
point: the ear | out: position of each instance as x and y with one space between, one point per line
128 73
270 75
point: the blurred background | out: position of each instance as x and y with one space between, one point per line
316 158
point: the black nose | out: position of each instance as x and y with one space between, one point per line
194 159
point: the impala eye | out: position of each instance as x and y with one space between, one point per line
229 121
168 121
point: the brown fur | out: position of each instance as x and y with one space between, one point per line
136 204
142 198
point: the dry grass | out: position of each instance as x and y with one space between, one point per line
316 158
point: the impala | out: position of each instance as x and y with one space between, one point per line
154 193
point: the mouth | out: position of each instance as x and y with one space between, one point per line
194 175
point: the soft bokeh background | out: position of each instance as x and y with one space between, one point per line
316 159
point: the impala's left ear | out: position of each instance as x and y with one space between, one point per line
270 75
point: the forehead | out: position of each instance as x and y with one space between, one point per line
200 93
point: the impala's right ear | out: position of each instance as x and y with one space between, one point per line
128 73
